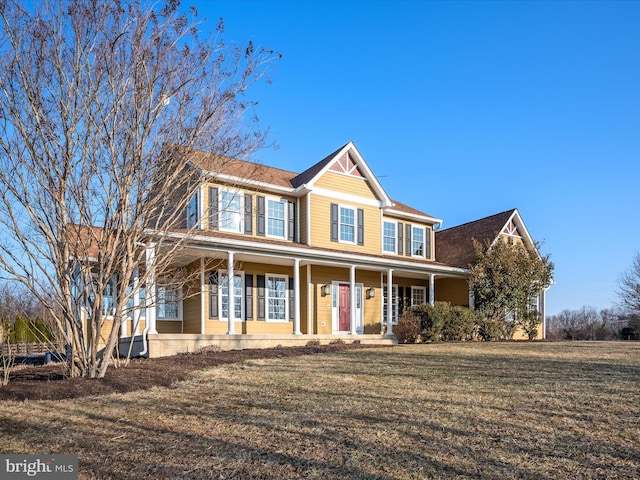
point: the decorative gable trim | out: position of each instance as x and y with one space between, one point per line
349 161
511 229
516 224
347 166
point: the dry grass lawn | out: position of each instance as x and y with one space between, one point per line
481 410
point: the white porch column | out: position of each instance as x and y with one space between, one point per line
296 297
203 291
135 317
352 299
150 301
544 313
432 288
232 301
390 302
309 297
472 300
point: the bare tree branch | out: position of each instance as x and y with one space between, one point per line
101 107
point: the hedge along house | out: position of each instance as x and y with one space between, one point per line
456 248
284 258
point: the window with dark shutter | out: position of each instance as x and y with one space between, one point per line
260 222
292 221
334 222
400 238
360 226
260 280
408 240
213 208
248 214
248 296
290 295
213 295
427 243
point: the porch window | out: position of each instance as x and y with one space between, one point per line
347 224
142 302
276 218
237 296
231 211
389 237
277 298
418 295
168 303
394 304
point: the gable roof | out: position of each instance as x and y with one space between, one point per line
309 176
454 246
270 178
240 170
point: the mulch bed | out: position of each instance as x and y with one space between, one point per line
48 382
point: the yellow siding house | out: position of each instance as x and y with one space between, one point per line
285 258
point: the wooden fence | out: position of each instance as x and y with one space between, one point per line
18 349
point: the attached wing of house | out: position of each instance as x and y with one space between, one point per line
456 247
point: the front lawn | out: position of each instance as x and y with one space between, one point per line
465 410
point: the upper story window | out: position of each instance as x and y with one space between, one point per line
347 224
417 241
192 211
276 217
389 237
230 208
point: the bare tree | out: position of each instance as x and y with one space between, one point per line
629 287
102 104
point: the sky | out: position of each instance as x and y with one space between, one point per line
465 109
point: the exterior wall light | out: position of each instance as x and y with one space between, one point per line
325 289
371 292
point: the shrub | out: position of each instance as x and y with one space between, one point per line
529 324
408 328
489 329
459 325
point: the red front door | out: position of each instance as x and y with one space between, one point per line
344 311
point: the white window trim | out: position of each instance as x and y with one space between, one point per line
335 306
221 210
424 241
395 238
179 302
424 294
286 219
267 276
396 313
355 224
242 296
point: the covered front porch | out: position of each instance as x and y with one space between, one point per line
287 299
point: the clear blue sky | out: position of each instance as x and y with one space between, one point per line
466 109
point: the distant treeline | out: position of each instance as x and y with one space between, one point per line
588 323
